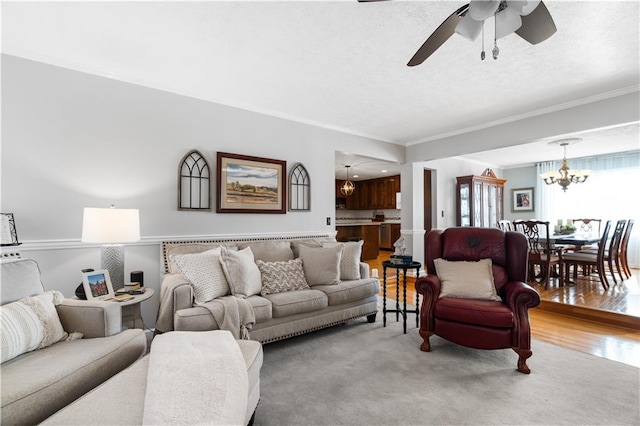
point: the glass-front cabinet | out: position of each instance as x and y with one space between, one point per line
480 200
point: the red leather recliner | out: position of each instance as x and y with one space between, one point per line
480 324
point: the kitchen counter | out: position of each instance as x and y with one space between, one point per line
358 223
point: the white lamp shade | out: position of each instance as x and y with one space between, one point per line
483 9
507 21
110 226
469 28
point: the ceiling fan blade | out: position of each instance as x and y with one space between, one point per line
439 36
537 26
370 1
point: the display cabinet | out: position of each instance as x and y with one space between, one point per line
480 200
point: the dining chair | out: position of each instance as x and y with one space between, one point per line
541 252
587 227
624 245
506 225
612 254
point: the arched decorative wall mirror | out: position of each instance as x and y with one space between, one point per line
194 182
299 189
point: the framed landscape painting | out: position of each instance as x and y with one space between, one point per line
250 184
522 200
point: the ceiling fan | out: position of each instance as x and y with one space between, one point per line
531 20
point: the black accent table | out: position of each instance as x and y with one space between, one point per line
404 267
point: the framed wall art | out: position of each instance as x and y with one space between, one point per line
250 184
522 200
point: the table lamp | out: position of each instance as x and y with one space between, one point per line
111 227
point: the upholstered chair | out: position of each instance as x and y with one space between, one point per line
458 304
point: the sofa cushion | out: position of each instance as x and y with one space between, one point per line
269 251
30 323
297 302
261 308
468 280
309 242
204 272
350 260
242 272
282 276
321 265
37 384
350 291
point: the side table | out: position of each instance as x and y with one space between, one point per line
131 315
404 267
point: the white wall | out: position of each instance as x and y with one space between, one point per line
72 140
521 177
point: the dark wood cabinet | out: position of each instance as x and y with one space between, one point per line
370 194
369 233
480 200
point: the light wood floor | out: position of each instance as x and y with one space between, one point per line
561 318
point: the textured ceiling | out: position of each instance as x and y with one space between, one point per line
340 64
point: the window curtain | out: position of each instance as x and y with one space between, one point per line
610 193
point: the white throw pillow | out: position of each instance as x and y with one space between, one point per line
30 323
321 265
350 260
467 280
281 276
204 272
242 272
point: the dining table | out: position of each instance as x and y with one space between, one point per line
576 240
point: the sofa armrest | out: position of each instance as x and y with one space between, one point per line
175 294
92 318
429 287
364 270
520 297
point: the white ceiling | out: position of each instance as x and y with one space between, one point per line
339 64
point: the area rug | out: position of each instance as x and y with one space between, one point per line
364 374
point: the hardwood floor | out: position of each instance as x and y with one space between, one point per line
582 317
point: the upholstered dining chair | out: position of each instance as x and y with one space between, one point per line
541 252
475 293
589 260
624 246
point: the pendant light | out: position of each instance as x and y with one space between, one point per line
347 187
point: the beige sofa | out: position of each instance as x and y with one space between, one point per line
40 382
277 316
121 399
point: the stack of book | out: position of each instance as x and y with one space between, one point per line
131 288
401 259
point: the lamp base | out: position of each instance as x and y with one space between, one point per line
112 258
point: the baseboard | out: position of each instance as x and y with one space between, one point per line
590 314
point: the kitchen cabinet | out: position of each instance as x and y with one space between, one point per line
480 200
367 232
370 194
389 234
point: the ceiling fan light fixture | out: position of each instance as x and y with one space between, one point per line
529 7
507 21
483 9
469 28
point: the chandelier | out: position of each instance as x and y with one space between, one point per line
347 187
565 176
507 16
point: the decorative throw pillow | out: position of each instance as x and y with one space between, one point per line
467 280
321 265
241 271
350 260
278 277
30 323
204 272
269 251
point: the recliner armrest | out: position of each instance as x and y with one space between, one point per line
518 295
92 318
429 287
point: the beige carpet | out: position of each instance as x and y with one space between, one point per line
364 374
